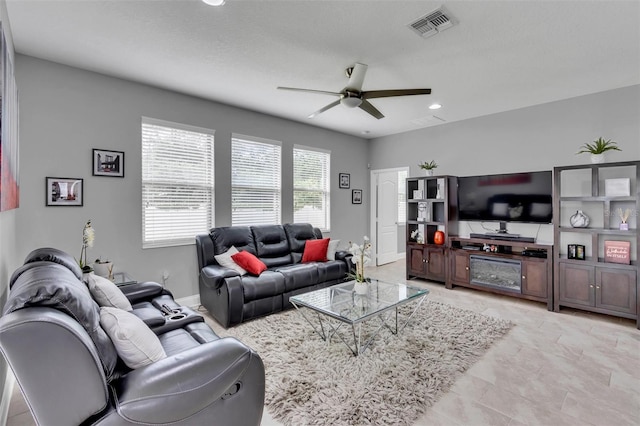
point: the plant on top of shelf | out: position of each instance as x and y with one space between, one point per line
428 165
597 149
599 146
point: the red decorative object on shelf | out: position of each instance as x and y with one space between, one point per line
438 237
617 251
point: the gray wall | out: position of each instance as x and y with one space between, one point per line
527 139
65 112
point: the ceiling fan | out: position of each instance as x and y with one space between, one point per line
352 95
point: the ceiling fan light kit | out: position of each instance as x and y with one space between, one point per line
352 96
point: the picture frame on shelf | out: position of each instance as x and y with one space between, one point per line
344 180
576 251
617 187
108 163
356 196
64 192
617 252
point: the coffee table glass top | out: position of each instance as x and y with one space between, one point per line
340 301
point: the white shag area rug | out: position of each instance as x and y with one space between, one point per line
310 382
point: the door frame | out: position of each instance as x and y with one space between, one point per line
373 220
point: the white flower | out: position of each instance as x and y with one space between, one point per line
88 235
361 257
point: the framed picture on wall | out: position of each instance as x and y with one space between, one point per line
108 163
345 180
64 191
356 196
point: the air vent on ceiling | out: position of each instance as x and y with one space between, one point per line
432 23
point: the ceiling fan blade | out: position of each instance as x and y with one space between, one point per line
357 77
321 110
372 94
321 92
366 105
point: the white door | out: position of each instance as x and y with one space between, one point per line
387 223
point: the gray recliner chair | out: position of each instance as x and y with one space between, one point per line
70 373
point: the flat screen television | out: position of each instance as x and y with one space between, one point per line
513 197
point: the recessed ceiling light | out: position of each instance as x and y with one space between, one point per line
214 2
435 106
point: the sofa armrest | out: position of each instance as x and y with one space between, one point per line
213 275
141 291
346 257
179 386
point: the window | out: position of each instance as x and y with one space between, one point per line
255 181
177 183
402 196
311 192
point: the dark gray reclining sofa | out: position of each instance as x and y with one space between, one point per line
232 299
70 372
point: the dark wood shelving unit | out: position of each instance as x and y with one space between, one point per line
593 284
431 206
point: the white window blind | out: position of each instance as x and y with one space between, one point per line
402 197
255 181
177 183
311 188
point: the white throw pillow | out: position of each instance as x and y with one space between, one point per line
225 260
106 293
331 250
135 343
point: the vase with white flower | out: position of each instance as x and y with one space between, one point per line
361 257
416 236
88 235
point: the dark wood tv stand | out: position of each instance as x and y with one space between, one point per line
536 273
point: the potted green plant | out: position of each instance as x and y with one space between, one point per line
597 149
428 167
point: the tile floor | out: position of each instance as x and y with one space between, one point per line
568 368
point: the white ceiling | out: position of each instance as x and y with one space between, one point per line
501 55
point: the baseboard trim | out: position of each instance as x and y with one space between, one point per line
7 392
190 301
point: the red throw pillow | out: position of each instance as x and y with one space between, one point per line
315 250
249 262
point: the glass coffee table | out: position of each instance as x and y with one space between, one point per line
330 308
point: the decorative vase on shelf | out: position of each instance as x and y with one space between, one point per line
597 158
438 238
579 220
428 172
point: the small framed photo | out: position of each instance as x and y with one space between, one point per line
64 191
345 180
576 251
617 187
356 196
108 163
